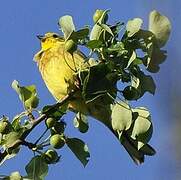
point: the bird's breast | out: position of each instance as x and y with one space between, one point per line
57 73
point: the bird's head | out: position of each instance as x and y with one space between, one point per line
49 40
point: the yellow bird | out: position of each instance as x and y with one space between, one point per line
59 71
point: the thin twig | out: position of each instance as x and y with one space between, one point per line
41 136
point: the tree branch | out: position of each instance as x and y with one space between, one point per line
35 122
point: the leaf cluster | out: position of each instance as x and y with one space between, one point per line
120 60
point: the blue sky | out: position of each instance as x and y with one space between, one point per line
22 20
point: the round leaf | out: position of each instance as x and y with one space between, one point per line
121 116
133 26
160 26
142 129
67 25
37 168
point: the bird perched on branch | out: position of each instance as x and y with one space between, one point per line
59 70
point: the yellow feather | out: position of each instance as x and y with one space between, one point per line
58 69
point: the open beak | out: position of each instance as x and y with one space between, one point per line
40 37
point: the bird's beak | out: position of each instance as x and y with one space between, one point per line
40 37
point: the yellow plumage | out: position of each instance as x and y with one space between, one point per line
59 71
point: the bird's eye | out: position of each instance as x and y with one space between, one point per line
55 36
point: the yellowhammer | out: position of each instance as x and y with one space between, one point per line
59 71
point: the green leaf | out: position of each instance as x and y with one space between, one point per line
32 102
13 153
133 26
94 44
142 128
80 149
37 169
67 25
23 92
99 30
119 46
27 94
154 58
143 83
16 123
135 82
103 19
11 138
99 81
160 26
121 116
15 176
131 59
55 111
153 55
82 33
107 28
147 83
16 87
81 123
5 125
137 61
95 32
